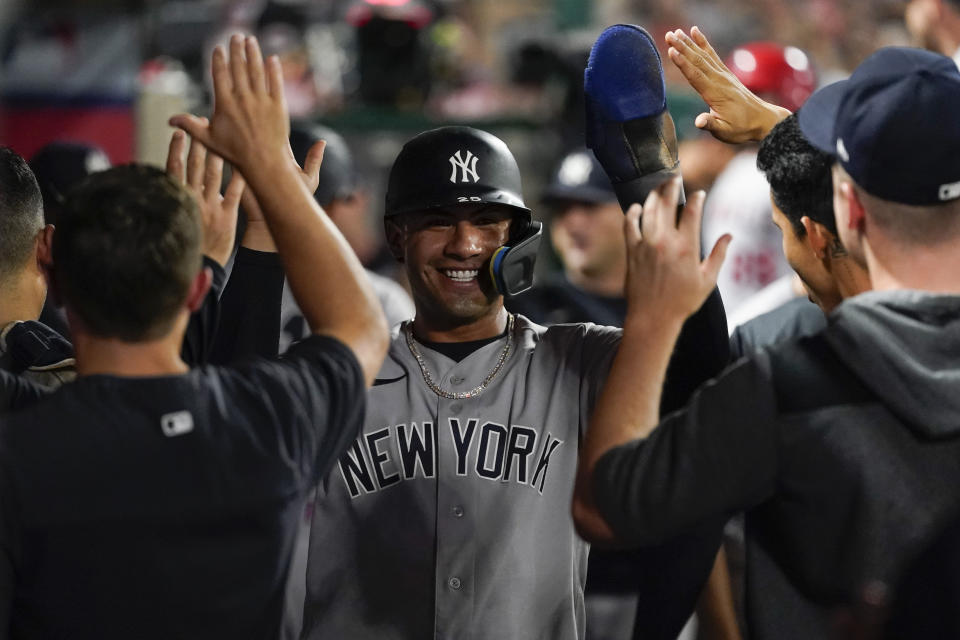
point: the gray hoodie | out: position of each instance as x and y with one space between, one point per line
905 347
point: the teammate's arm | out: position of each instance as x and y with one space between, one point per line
666 283
736 114
250 128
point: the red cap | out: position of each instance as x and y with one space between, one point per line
785 74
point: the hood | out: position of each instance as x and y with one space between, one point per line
905 347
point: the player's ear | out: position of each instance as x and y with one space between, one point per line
199 289
44 257
395 234
856 215
45 246
817 237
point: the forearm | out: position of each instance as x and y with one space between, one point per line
252 300
702 351
628 408
715 609
327 280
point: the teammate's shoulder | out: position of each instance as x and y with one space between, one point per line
568 333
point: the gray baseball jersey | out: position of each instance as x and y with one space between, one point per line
451 518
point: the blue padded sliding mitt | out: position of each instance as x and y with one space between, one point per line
628 126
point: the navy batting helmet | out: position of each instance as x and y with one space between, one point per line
453 166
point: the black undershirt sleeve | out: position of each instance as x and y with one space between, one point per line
202 328
701 353
676 569
250 308
17 393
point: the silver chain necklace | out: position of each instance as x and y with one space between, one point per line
462 395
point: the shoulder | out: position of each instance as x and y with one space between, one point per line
806 374
585 338
316 362
796 318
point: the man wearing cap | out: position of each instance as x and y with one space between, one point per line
586 231
842 448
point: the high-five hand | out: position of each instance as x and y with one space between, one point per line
736 114
666 278
202 176
249 125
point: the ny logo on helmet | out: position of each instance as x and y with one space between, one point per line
467 166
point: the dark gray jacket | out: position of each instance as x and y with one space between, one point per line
842 448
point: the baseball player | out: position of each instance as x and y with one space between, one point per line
148 500
449 516
739 201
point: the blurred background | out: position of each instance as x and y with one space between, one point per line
109 73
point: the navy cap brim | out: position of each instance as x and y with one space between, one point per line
818 116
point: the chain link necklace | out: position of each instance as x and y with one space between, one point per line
462 395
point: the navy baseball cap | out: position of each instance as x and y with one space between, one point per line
893 125
579 177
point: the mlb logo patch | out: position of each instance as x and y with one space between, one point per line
176 424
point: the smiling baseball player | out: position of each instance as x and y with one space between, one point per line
449 516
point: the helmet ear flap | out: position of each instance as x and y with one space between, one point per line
512 266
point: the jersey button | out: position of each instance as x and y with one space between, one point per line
454 582
456 408
456 380
457 511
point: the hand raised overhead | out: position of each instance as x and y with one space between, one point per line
249 126
666 279
736 114
202 176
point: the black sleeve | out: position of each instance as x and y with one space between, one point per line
710 460
314 398
9 546
250 308
701 353
202 328
17 393
672 573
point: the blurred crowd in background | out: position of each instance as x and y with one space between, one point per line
109 73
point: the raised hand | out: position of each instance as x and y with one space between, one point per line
257 236
736 114
666 279
202 176
249 126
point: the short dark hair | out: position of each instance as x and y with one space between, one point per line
799 176
21 212
127 247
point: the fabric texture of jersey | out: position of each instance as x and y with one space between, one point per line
842 448
194 541
451 518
